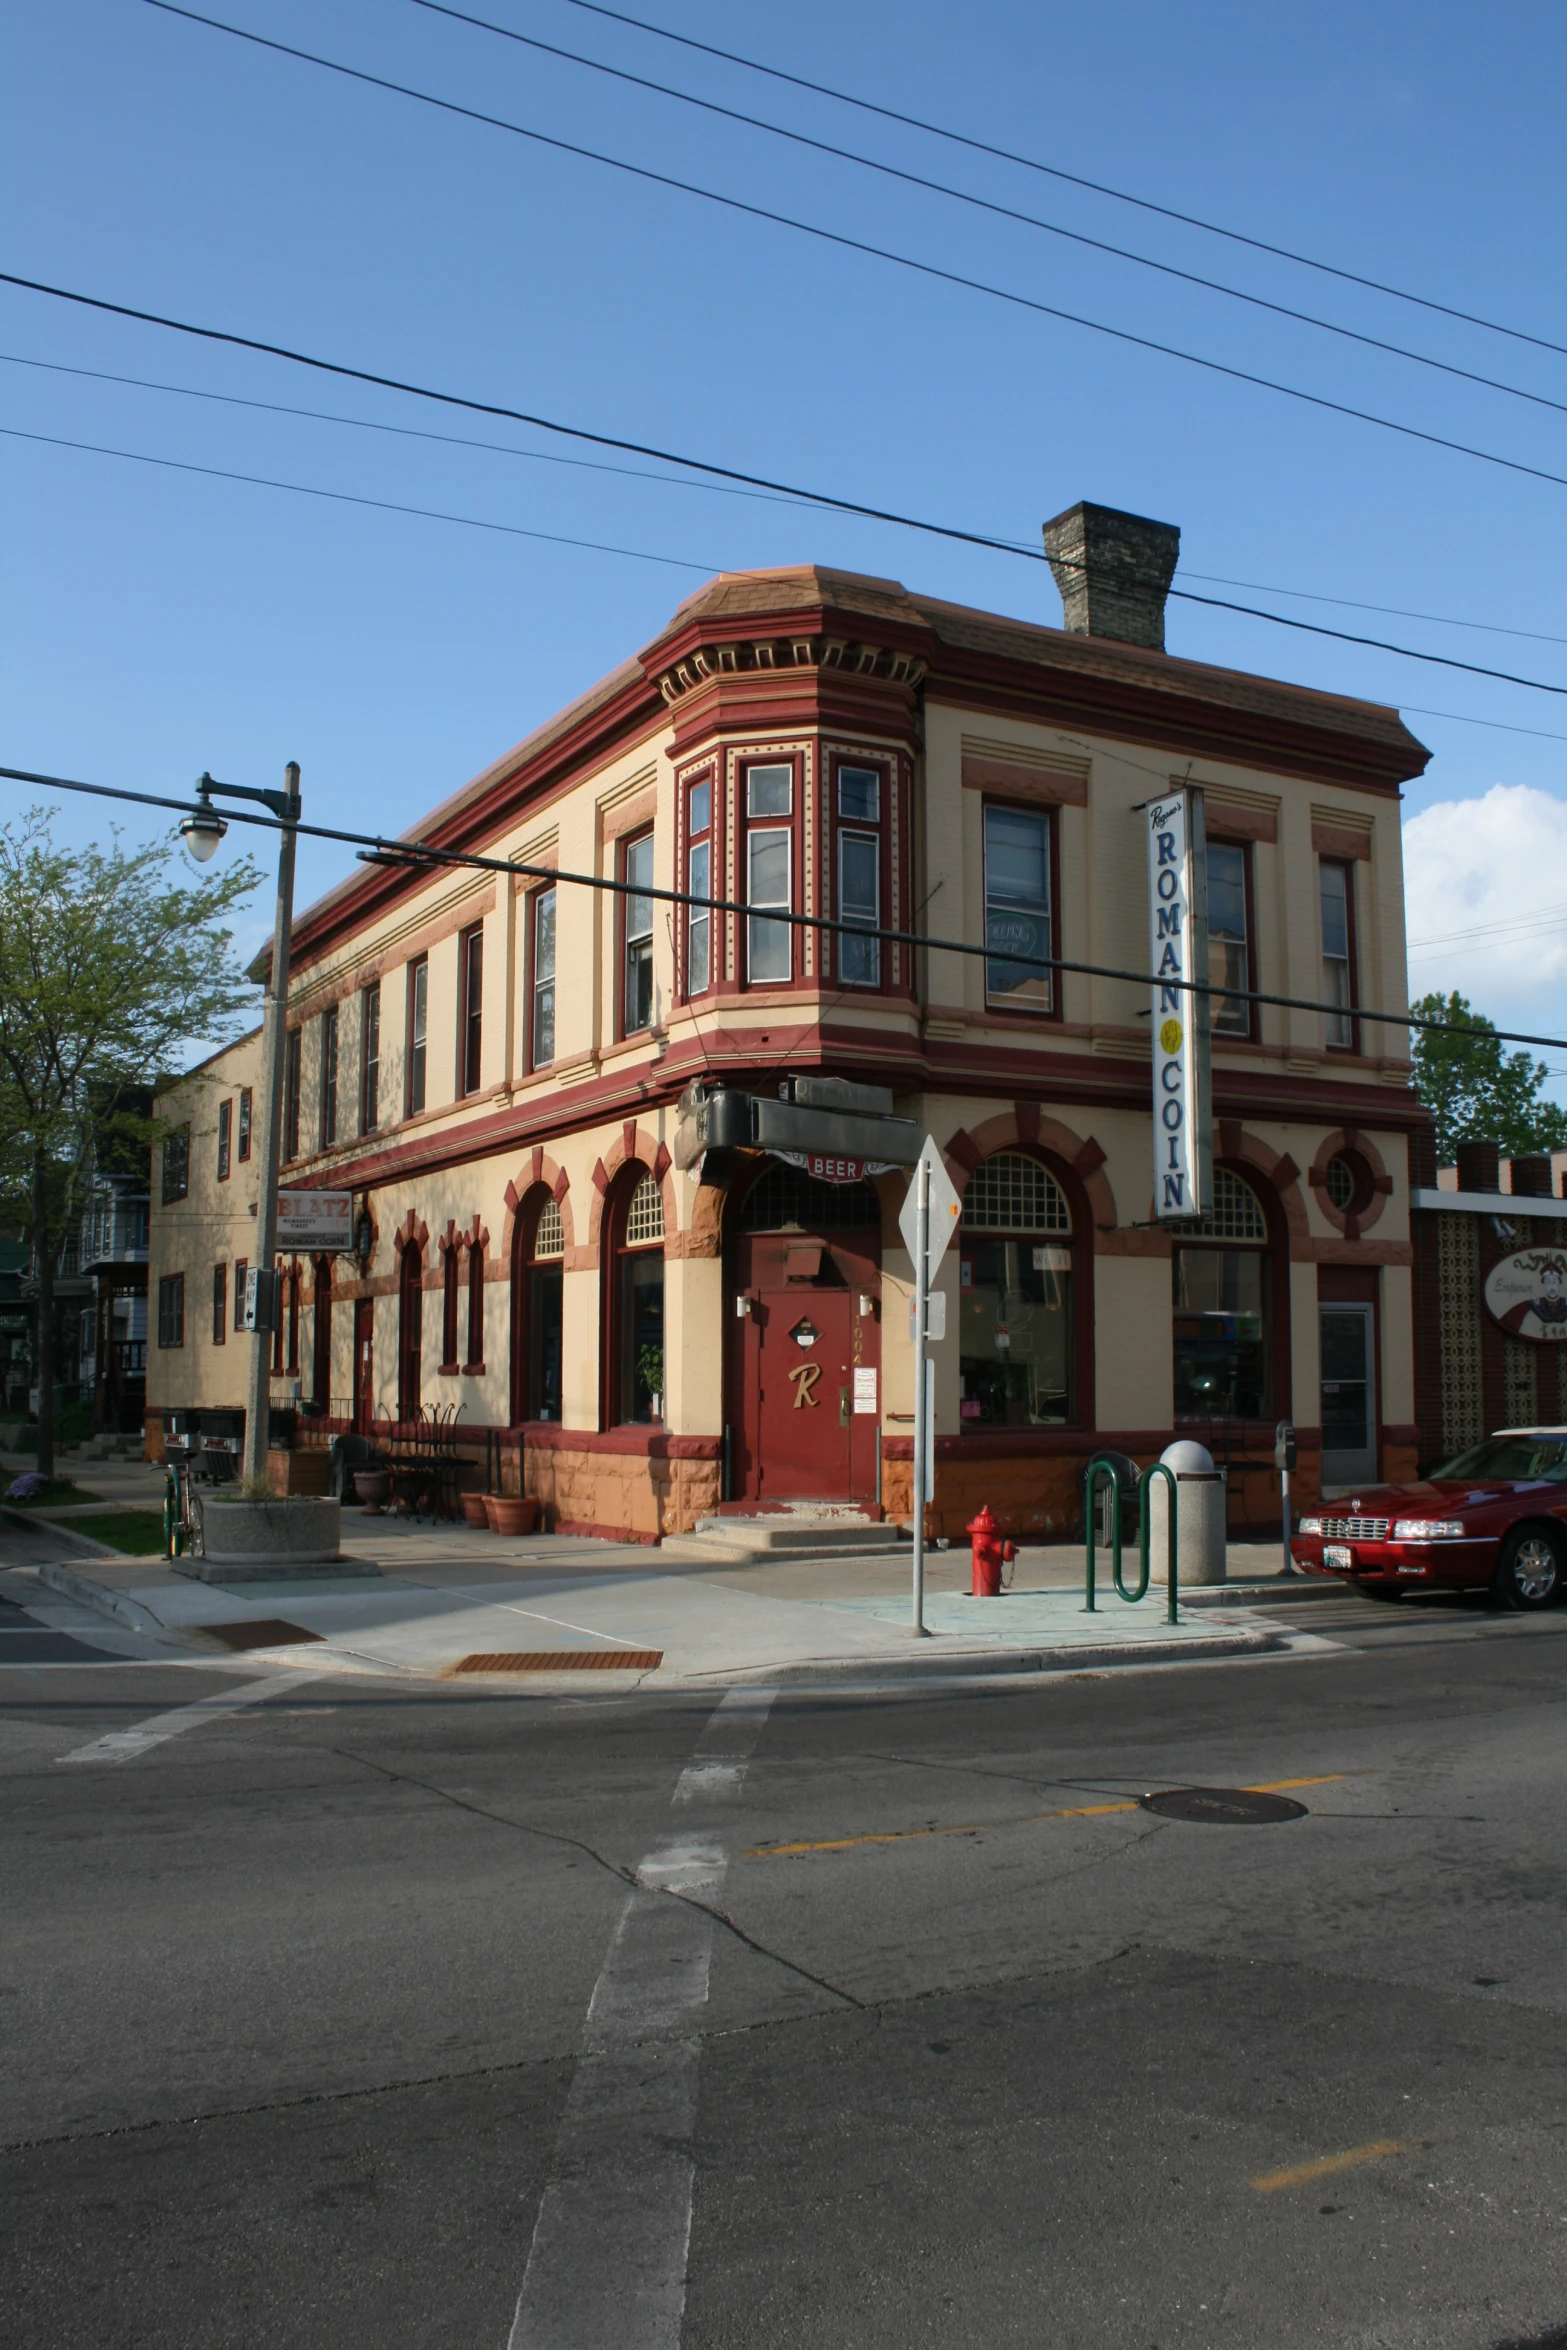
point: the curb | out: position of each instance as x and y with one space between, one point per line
1291 1587
101 1599
969 1664
69 1535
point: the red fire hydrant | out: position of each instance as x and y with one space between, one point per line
989 1551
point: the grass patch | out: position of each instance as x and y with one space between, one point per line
137 1532
57 1490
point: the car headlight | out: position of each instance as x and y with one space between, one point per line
1429 1530
1309 1526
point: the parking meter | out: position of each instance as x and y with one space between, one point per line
1285 1454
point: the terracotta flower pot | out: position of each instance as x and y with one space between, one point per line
374 1488
510 1513
473 1509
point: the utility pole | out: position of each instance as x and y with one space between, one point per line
202 830
258 1400
922 1433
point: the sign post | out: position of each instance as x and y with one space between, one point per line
1285 1455
928 1220
1178 952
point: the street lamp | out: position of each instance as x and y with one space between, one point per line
201 831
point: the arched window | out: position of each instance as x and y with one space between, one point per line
537 1352
475 1357
1017 1348
410 1331
449 1307
321 1379
634 1356
1222 1304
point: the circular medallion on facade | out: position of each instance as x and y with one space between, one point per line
1170 1037
1527 1294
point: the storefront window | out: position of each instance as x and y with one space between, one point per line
1221 1308
538 1351
1015 1307
639 1303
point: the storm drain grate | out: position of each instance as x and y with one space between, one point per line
1223 1807
563 1660
257 1632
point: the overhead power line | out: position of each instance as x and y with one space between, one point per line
264 481
914 179
825 499
1072 179
845 243
418 854
800 504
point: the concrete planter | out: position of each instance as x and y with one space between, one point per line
271 1539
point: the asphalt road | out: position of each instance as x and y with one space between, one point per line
345 2013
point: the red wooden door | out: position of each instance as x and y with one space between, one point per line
805 1355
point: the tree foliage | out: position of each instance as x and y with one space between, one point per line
1476 1090
111 968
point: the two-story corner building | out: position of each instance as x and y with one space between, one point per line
633 1170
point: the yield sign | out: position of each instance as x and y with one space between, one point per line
945 1206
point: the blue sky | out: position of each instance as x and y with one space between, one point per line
161 622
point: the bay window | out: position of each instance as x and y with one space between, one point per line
859 873
699 881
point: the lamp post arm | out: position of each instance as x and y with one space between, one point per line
258 1410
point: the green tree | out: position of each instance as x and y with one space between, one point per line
1473 1088
111 967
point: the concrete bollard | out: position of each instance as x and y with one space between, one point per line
1200 1517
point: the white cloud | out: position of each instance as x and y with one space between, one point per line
1485 900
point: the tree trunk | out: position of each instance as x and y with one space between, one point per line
43 1258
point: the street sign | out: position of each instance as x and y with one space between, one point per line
945 1207
317 1220
935 1316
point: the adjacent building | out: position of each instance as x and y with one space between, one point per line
626 1175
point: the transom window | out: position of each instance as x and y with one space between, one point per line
859 794
769 791
549 1239
1011 1193
1235 1213
644 1215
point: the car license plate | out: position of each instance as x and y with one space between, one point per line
1338 1558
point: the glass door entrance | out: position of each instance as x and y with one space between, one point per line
1349 1403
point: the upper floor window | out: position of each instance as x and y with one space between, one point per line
859 873
369 1057
291 1072
171 1310
542 1024
769 792
329 1077
244 1122
176 1164
220 1305
418 1014
699 881
470 1007
225 1139
1229 938
637 873
1019 862
1337 886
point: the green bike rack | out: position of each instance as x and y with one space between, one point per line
171 1517
1145 1530
1103 1466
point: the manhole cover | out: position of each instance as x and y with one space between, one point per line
1223 1807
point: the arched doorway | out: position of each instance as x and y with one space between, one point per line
804 1339
633 1356
538 1253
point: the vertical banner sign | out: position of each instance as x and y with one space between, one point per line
1178 950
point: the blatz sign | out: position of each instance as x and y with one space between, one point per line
1527 1293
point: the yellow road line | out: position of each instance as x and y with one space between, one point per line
1028 1819
1327 2166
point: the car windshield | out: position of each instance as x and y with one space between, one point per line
1510 1457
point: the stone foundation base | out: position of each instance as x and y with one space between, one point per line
619 1496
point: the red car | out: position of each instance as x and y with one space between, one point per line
1492 1519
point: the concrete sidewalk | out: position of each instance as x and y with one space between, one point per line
449 1594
